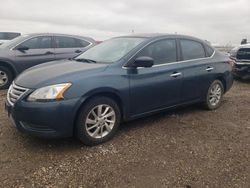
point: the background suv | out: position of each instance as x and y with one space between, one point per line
241 56
29 50
118 80
6 36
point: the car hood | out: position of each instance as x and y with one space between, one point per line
56 72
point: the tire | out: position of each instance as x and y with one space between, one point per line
95 130
6 77
212 102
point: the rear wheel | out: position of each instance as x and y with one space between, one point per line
6 77
214 95
98 121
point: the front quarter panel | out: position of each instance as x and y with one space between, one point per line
113 80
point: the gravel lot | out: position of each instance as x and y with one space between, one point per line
187 147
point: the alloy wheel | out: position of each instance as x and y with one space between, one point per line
100 121
215 94
3 78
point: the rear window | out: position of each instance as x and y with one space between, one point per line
81 43
70 42
243 54
192 49
209 50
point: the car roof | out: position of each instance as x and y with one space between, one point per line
162 35
59 34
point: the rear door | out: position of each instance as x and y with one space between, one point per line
69 47
39 50
197 68
158 86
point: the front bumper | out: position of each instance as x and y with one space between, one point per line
48 119
242 70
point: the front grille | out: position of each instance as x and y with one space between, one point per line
15 92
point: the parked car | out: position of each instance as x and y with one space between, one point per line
118 80
29 50
6 36
241 56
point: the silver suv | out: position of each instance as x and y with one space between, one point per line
29 50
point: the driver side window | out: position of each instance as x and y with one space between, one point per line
163 51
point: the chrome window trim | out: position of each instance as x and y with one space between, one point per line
185 61
90 43
170 63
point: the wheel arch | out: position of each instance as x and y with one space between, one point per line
223 80
9 65
110 93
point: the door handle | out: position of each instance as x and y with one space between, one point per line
209 69
78 51
49 52
176 74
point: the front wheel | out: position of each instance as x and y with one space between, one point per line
98 121
214 95
6 77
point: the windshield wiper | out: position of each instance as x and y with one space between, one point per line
85 60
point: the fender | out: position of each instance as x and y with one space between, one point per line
7 62
123 99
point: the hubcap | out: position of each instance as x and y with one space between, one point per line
215 94
3 78
100 121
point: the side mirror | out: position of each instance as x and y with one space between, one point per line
22 48
143 61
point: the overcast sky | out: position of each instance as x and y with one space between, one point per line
219 21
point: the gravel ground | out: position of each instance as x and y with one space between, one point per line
187 148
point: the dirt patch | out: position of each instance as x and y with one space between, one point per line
187 147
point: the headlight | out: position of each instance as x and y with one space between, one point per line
48 93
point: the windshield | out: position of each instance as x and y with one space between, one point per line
111 50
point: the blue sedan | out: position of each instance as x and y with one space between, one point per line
121 79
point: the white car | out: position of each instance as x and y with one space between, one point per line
6 36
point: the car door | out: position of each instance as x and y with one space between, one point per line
197 69
34 51
158 86
69 47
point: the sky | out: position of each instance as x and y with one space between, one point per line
218 21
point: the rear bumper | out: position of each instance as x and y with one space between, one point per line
47 120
